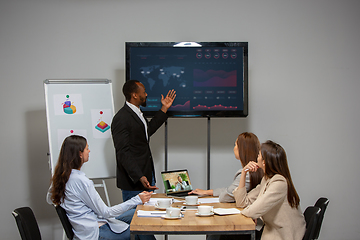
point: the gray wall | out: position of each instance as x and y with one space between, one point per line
304 80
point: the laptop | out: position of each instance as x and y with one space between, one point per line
177 183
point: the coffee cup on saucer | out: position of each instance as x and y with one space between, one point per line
163 203
191 200
205 210
172 212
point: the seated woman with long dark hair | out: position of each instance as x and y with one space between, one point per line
246 149
89 216
275 199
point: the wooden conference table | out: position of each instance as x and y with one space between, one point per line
190 223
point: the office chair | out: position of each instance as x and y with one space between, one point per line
322 203
311 215
27 224
65 221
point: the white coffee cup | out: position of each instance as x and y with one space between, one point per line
163 203
191 200
173 212
205 210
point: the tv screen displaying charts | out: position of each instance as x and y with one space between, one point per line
210 78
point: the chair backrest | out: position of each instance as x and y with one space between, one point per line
322 203
311 215
27 224
65 221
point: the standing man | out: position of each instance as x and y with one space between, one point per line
131 133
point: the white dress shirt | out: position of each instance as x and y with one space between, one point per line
140 115
85 208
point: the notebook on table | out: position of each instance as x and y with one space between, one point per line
176 183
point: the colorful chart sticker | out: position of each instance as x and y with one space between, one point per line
101 119
68 104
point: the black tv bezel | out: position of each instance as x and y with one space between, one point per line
215 113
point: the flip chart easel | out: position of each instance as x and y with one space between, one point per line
83 107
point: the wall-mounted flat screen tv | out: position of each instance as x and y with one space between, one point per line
210 78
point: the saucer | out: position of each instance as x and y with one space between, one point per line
204 215
170 218
197 204
160 208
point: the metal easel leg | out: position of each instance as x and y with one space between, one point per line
106 193
103 185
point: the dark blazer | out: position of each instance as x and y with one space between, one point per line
133 155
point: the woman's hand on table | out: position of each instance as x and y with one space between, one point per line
145 196
202 192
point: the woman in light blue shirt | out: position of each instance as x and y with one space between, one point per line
89 216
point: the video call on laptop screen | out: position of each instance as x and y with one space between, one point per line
176 181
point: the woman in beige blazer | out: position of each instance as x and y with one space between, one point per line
275 199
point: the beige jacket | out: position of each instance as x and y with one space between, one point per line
269 201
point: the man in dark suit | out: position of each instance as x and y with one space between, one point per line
131 133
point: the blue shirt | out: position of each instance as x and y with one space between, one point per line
85 208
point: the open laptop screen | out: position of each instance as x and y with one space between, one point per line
176 181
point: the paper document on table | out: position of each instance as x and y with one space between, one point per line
226 211
209 200
143 213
